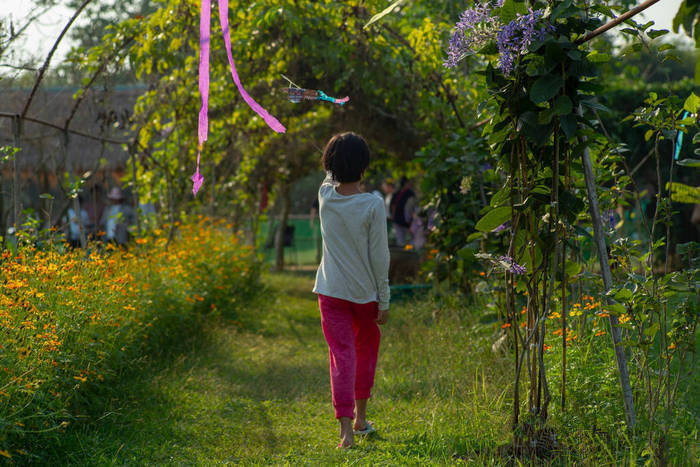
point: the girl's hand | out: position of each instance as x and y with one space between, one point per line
382 316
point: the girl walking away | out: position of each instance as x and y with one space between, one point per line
352 281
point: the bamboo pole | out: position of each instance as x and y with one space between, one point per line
616 334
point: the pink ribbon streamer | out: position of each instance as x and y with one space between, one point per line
204 39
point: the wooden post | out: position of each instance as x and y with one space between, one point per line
616 334
134 189
76 199
16 202
282 226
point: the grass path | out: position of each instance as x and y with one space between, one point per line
255 390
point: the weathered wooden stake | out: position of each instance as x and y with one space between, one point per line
616 334
16 202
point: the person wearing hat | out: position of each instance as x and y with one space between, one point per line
117 218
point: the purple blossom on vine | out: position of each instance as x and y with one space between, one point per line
501 227
609 217
515 38
475 28
514 267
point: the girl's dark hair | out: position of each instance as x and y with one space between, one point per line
346 157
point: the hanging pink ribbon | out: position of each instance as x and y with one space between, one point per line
204 40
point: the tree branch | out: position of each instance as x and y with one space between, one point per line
45 66
611 24
75 132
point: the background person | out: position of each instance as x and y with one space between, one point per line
403 204
117 218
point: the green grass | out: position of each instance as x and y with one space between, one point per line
254 389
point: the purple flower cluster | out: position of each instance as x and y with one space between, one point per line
516 37
515 268
609 217
475 28
501 227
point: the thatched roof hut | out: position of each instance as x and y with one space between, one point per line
101 114
44 156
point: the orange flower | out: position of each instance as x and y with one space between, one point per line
600 333
506 325
672 346
547 347
482 273
558 332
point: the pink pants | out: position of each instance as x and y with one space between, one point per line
353 343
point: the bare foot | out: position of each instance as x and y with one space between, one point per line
359 425
347 437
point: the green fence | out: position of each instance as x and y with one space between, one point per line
302 250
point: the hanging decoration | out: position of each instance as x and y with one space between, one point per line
679 139
204 45
297 94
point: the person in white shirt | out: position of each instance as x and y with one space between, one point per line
352 281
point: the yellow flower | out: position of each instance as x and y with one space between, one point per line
6 454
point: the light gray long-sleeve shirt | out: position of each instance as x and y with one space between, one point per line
355 262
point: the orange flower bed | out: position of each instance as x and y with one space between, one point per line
72 322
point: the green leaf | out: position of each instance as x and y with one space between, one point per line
653 34
572 268
568 125
493 219
596 57
466 253
681 193
563 105
615 308
689 162
651 330
500 197
593 104
648 134
545 88
511 9
692 103
623 295
384 12
544 117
